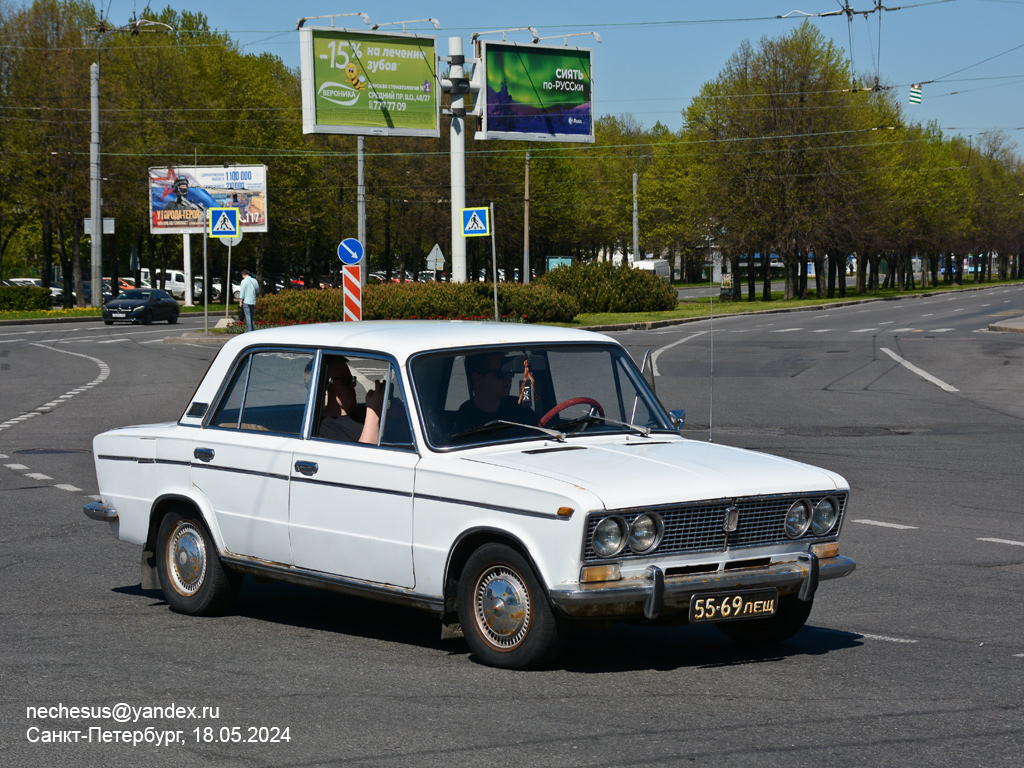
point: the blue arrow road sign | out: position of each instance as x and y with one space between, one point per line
350 251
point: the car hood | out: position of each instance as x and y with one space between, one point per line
654 470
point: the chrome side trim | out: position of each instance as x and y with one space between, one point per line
493 507
98 511
355 587
630 597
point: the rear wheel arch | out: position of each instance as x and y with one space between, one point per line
178 503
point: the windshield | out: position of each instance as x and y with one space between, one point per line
135 294
501 394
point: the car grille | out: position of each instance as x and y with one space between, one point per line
699 526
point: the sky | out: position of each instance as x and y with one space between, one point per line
654 55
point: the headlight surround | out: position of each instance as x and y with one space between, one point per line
610 536
826 513
645 533
798 519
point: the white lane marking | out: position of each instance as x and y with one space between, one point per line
887 322
943 330
786 330
923 374
38 476
927 314
864 330
4 456
888 639
11 341
888 525
901 330
959 310
66 487
114 341
822 330
657 352
16 467
47 407
1005 541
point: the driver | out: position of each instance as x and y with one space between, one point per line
490 381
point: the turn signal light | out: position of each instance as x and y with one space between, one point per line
595 573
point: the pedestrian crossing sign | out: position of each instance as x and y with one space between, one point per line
224 222
476 222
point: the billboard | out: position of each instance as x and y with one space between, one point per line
369 83
535 93
180 196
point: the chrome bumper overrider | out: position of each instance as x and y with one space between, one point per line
97 511
654 593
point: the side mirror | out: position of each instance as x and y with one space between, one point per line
678 418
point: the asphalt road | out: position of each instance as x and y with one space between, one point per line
915 659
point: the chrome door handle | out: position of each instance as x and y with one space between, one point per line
306 468
203 454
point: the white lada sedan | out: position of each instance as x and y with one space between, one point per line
511 479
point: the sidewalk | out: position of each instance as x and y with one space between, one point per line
1016 325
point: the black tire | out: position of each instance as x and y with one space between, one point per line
108 322
191 575
504 612
172 319
147 319
787 621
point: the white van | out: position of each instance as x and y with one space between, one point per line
174 281
659 267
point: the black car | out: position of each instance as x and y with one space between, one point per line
141 305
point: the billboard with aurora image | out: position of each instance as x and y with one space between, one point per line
535 93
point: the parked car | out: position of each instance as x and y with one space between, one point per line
56 294
174 281
520 478
141 305
659 267
87 287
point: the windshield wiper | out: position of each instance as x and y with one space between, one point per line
497 424
645 431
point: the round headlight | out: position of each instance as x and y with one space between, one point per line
610 536
826 512
798 519
645 533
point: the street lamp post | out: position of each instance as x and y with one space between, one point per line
95 176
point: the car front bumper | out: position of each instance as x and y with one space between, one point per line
654 594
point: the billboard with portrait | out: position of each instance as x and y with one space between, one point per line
369 83
535 93
180 196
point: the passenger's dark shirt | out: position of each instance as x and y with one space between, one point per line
342 428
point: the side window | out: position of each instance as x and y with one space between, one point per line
350 403
267 394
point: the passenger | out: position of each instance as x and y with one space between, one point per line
338 422
489 400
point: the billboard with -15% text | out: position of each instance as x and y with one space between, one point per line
369 83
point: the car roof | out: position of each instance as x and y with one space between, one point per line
404 338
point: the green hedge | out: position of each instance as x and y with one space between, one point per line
518 303
603 287
21 298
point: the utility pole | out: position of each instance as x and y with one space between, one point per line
526 219
636 221
95 142
457 74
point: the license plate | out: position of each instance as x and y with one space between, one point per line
731 606
117 314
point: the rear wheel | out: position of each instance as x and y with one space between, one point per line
504 613
191 575
787 621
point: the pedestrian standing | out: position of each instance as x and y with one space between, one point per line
247 298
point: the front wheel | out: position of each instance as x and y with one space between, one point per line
504 612
172 319
787 621
191 575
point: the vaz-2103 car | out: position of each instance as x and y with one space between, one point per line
511 479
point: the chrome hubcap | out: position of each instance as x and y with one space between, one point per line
186 553
502 607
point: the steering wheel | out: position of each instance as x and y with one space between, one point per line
569 404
